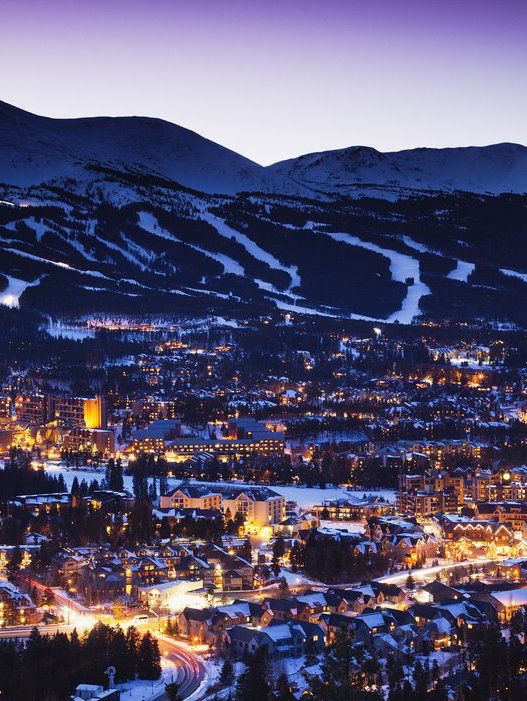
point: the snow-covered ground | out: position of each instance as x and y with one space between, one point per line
305 497
141 690
462 271
10 296
513 273
254 249
352 526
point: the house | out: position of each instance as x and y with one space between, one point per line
391 649
281 640
282 609
506 603
367 624
101 581
334 623
439 632
95 692
16 607
436 592
197 625
389 592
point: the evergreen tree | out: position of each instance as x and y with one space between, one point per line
148 659
253 684
172 691
227 674
283 689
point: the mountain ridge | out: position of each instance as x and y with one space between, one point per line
35 149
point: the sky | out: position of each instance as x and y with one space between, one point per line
277 78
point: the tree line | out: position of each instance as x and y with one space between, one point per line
48 668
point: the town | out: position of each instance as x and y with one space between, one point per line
265 508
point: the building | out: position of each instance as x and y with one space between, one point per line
30 409
352 509
77 412
16 608
100 440
239 438
66 411
155 437
40 503
5 407
281 640
426 503
259 506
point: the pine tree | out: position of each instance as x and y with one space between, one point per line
172 691
148 659
253 684
283 689
227 674
75 487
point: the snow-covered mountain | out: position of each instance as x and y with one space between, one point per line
36 149
136 215
483 169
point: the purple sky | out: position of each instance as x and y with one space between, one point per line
276 78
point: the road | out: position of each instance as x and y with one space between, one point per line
427 574
191 671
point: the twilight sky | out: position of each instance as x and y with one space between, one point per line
273 79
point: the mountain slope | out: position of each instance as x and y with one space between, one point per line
34 149
118 216
486 169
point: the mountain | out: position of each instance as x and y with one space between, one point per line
139 216
36 149
485 169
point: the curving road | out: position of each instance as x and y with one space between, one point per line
190 669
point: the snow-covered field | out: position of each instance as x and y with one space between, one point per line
305 497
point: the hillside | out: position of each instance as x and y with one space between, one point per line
118 216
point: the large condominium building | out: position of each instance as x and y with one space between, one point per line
5 407
260 506
66 411
31 409
241 438
426 503
77 412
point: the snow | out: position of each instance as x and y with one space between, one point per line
351 526
402 267
11 295
149 223
416 245
58 329
254 249
513 273
59 264
38 227
462 271
305 497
